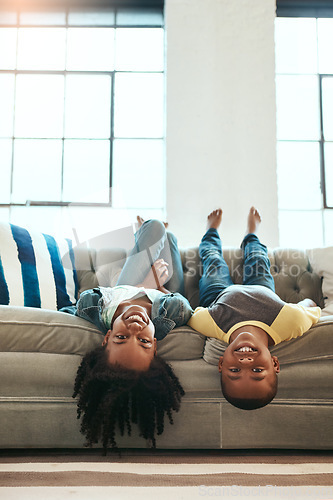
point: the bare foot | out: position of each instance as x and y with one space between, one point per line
140 221
214 219
253 221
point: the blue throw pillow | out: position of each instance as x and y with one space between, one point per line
32 270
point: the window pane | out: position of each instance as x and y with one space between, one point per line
42 219
90 49
296 45
4 214
325 42
41 48
139 17
297 107
97 18
139 49
301 229
8 17
39 106
138 174
7 83
329 173
327 92
86 171
139 105
46 18
298 169
8 39
328 218
88 103
6 166
37 170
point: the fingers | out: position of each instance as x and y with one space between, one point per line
160 267
160 270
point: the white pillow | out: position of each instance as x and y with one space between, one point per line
321 260
32 273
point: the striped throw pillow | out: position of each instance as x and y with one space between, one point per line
32 271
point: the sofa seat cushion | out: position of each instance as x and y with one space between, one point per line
181 344
26 329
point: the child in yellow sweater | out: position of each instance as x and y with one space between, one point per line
250 317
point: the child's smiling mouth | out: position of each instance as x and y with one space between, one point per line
136 317
246 349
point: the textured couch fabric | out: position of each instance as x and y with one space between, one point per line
40 351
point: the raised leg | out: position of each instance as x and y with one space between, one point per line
149 242
152 242
170 253
256 270
216 275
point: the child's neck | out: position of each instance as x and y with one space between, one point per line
256 331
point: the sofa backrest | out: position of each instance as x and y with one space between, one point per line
294 278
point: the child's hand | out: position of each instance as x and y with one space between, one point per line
158 275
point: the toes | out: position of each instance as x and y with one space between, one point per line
140 220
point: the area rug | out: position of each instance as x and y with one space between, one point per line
165 475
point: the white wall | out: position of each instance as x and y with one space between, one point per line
221 132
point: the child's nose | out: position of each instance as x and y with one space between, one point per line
134 327
246 359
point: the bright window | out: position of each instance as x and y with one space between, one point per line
82 108
304 99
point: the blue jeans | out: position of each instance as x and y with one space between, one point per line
153 242
216 276
168 311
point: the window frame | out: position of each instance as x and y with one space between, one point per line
116 7
311 9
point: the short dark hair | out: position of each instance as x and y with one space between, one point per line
247 403
112 397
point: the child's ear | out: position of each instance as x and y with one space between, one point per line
276 364
106 338
220 363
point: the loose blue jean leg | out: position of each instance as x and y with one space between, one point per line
216 276
151 243
256 270
170 253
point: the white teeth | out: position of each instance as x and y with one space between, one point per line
245 349
135 317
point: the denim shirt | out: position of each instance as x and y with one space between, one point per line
168 311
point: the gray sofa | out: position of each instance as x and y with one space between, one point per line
40 351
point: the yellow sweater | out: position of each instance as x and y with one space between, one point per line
240 305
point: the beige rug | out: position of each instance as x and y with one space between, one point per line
165 475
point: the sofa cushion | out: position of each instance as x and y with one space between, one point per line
321 260
181 344
26 329
32 272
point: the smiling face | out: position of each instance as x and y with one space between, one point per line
131 343
247 368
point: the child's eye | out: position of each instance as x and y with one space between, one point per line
120 337
234 370
257 370
145 341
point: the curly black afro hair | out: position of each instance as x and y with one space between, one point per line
111 398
